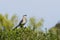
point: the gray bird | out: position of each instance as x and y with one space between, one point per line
22 22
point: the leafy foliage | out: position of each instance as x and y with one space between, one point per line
6 23
33 24
27 33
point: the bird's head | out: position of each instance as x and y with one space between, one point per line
24 16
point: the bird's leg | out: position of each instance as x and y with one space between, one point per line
21 25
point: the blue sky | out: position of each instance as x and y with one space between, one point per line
49 10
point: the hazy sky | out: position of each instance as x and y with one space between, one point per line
47 9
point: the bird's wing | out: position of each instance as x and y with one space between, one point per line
20 22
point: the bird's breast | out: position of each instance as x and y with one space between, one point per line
24 21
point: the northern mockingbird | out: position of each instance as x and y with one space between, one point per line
22 22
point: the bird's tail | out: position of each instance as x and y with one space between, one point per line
15 27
